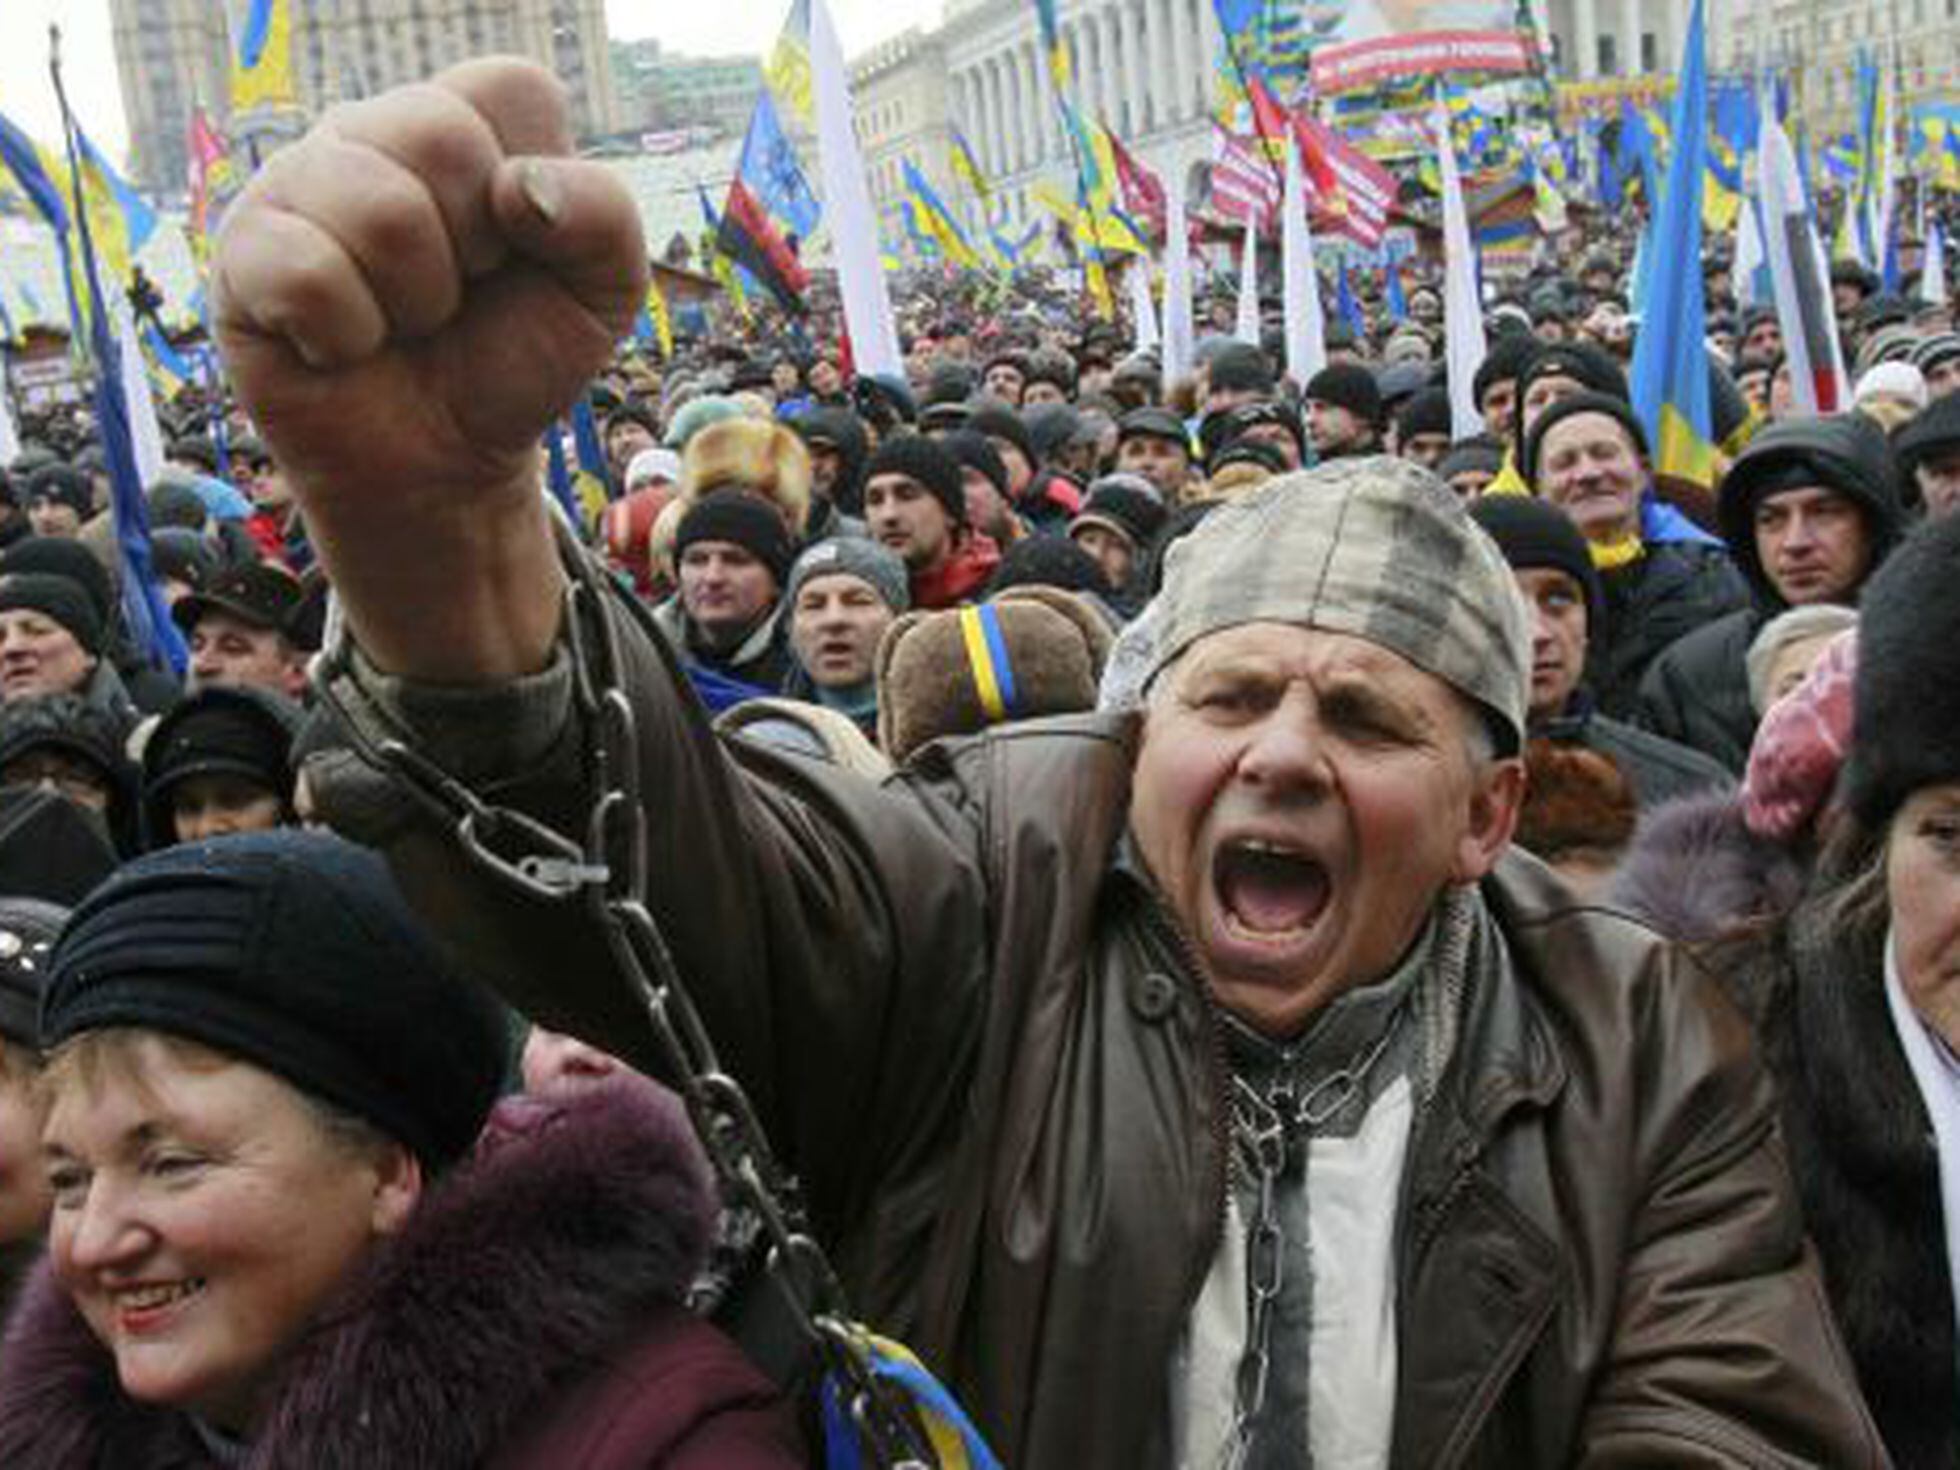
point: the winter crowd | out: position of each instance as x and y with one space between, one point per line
1266 934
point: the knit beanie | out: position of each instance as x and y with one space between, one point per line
1241 368
1617 409
974 451
1426 412
66 602
63 484
1125 504
1533 534
1471 456
742 519
1933 430
63 556
295 952
998 421
1052 427
1347 385
1506 358
694 416
927 462
1048 561
879 568
1936 351
1906 698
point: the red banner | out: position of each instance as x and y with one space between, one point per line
1367 63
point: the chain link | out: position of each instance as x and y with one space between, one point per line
608 870
1265 1130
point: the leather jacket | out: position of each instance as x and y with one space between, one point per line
974 1032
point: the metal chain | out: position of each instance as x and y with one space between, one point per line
1264 1131
608 870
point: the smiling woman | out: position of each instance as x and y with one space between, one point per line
271 1205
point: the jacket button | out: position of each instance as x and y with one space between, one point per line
1153 996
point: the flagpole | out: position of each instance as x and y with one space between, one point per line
143 602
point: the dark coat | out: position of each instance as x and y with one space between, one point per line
1697 692
976 1035
1668 592
590 1216
1656 770
1862 1149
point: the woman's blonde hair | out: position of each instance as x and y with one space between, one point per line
121 1056
763 458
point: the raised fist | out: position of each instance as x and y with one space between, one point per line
405 299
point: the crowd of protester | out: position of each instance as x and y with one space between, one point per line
261 1127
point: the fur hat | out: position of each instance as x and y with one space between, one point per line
762 458
1906 720
1027 652
1577 799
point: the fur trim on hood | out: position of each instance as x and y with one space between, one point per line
578 1223
1695 871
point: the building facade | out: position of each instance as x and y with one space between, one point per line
173 55
1817 42
901 105
659 89
1143 67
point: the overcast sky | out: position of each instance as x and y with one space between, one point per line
89 62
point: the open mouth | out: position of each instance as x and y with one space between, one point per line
141 1307
1269 892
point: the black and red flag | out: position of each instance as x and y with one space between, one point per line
747 237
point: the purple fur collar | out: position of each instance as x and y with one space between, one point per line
575 1225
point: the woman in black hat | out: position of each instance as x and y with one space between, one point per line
287 1228
218 764
1857 996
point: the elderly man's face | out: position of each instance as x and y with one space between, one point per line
1302 798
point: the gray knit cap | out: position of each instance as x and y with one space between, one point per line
853 556
1377 548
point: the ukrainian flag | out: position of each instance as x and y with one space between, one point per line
788 70
1052 45
935 220
1670 360
968 167
262 60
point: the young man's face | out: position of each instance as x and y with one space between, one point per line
1813 545
1162 463
908 518
725 589
1557 608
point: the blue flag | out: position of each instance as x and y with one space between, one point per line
144 606
770 168
1670 357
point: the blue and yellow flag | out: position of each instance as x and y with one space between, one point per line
1052 45
930 216
967 167
262 58
653 326
788 70
1670 359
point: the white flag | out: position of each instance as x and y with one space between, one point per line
1141 306
145 434
1748 252
847 207
1248 324
1463 309
9 436
1180 350
1798 277
1932 277
1306 325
